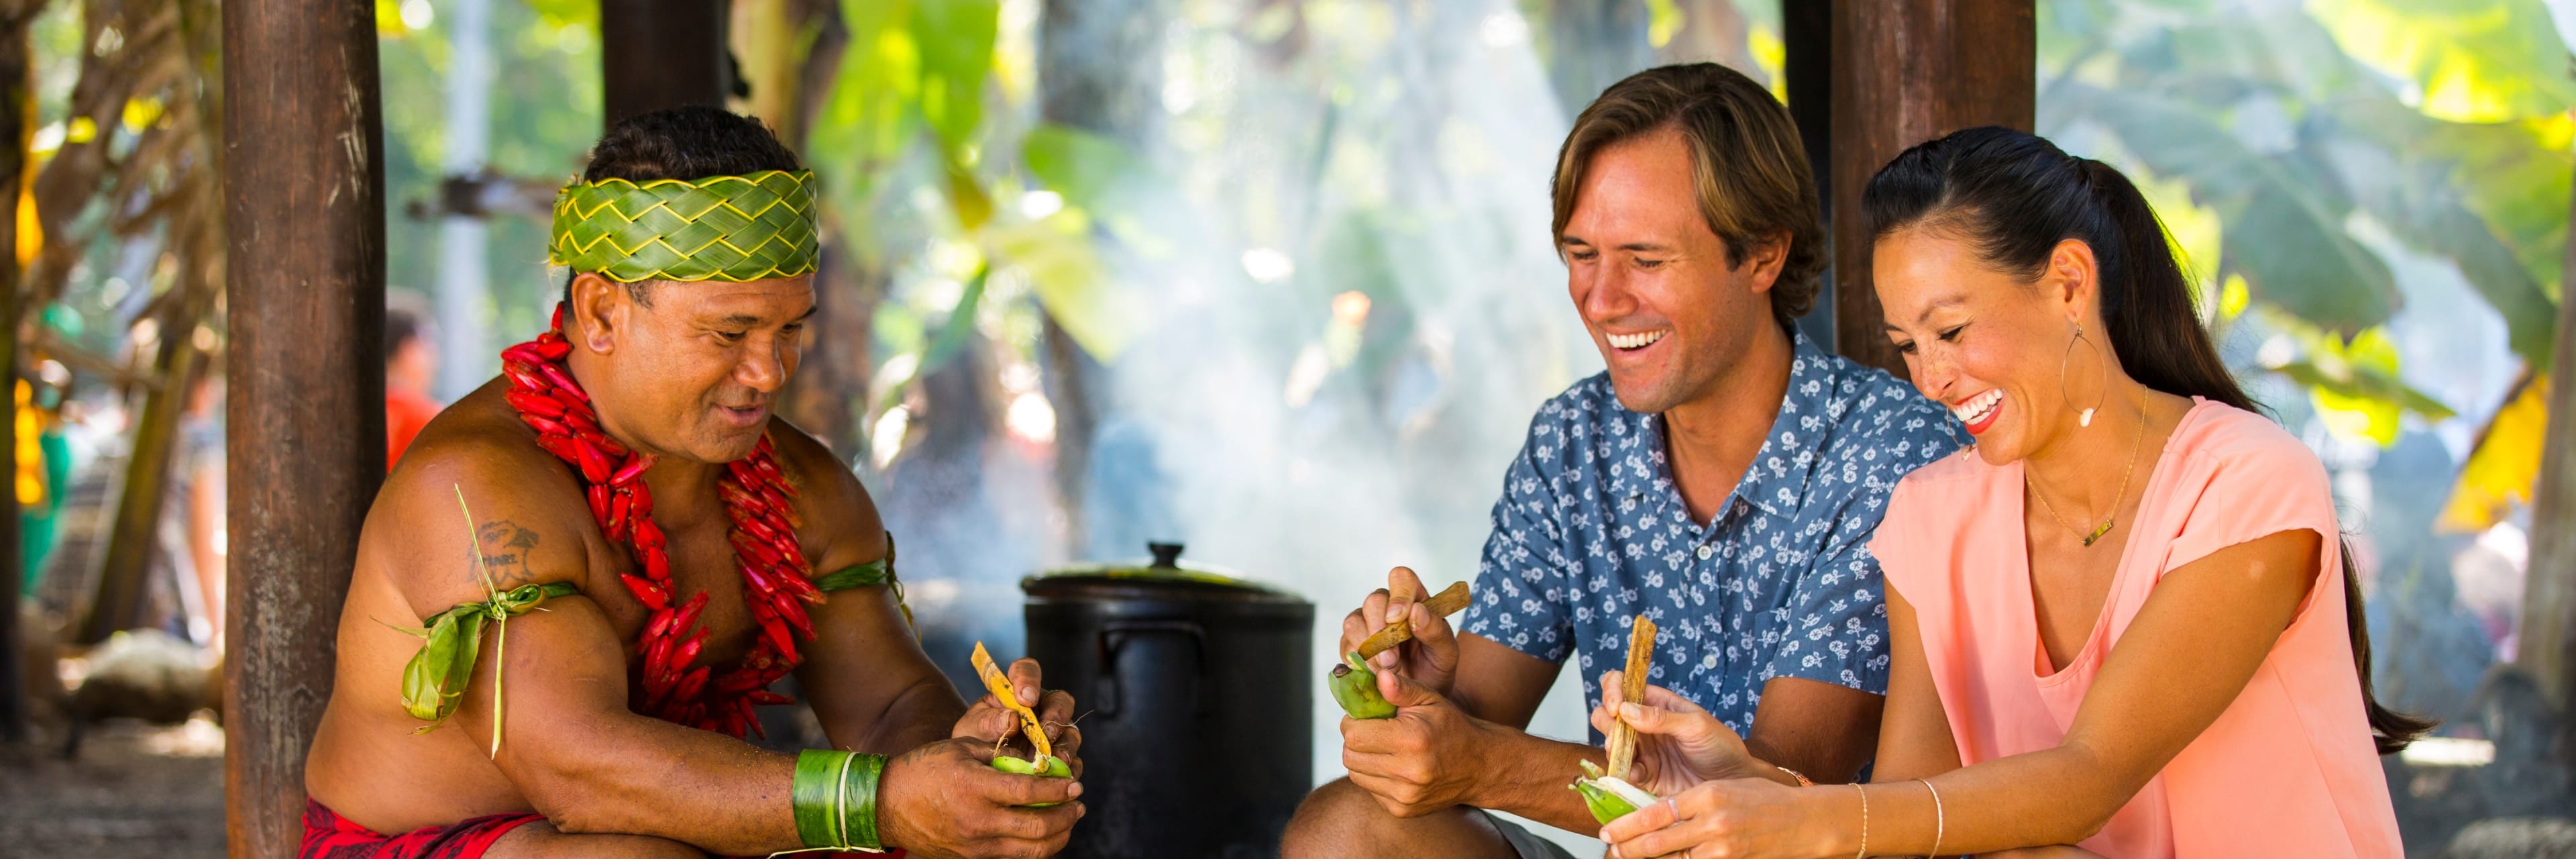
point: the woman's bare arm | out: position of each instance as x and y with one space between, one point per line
1914 739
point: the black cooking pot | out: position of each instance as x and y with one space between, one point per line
1198 703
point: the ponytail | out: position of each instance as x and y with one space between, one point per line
2015 196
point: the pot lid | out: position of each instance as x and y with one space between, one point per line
1163 577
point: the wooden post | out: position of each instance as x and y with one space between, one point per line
2547 643
661 53
305 275
1807 31
1907 71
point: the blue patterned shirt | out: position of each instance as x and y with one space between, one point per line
1591 531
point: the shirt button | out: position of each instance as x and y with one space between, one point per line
1705 551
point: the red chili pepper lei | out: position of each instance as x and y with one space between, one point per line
756 495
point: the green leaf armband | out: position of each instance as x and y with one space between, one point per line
835 799
434 680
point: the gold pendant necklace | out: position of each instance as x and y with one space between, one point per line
2108 520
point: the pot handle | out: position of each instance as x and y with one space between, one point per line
1114 636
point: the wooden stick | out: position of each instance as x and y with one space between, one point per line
1632 688
1443 604
1000 685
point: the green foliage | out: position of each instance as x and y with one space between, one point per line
2283 233
2443 125
2491 61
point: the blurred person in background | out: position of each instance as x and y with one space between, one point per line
411 367
44 469
188 579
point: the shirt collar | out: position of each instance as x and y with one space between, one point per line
1776 481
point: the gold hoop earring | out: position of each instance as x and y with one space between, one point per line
2084 416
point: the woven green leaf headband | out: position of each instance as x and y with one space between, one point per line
730 228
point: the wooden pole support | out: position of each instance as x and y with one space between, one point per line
304 274
657 54
1903 72
2547 644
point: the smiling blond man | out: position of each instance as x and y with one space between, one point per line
1723 478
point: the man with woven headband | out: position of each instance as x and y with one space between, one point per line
649 550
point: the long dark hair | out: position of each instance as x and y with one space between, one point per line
2014 196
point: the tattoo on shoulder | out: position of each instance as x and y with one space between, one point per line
504 547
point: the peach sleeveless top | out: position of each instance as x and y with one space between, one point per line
2289 769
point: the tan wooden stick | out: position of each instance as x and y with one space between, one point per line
1443 604
1632 688
1000 685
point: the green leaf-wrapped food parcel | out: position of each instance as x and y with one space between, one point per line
1610 797
1354 686
1054 767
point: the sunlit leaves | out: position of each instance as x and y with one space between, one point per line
2416 176
2500 472
2492 61
2354 383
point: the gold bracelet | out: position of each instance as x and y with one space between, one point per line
1940 821
1801 778
1863 852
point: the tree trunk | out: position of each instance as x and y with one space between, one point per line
781 44
656 54
774 41
304 187
132 540
2547 647
1903 72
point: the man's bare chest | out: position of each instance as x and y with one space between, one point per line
702 561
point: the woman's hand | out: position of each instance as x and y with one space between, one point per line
1678 743
1741 818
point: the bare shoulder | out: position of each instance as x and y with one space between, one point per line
528 522
841 523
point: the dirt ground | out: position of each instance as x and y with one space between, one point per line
136 790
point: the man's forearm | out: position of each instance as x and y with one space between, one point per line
923 714
1528 775
640 776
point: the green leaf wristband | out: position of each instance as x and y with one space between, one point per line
835 799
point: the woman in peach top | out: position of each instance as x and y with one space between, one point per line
2122 622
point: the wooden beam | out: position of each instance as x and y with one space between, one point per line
656 54
2547 642
1903 72
304 191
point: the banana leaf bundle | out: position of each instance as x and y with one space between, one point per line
1610 797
